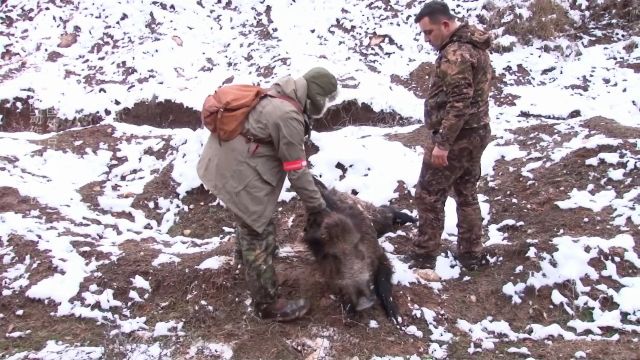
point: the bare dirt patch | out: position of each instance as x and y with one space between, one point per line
12 201
614 14
161 187
417 81
353 113
93 138
633 66
546 19
22 314
19 115
15 115
612 128
417 137
533 200
44 327
164 114
205 218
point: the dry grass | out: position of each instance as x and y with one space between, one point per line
501 48
630 46
547 20
623 14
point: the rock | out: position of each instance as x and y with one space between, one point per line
177 39
96 188
617 251
53 56
428 275
472 298
574 114
376 40
66 40
142 335
186 232
6 55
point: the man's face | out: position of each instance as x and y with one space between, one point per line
435 33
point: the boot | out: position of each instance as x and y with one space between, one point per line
284 310
473 262
422 261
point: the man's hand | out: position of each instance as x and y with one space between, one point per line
439 157
315 219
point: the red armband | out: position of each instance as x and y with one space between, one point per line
294 165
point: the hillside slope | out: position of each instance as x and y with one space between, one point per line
111 248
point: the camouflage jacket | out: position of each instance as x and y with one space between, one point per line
248 176
459 85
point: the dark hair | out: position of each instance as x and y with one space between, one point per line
435 11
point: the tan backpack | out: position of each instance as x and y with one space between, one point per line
225 112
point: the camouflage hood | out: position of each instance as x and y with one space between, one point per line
471 35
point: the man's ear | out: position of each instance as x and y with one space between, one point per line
446 25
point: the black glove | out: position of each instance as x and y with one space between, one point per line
400 218
315 218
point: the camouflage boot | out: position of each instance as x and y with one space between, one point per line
473 261
422 261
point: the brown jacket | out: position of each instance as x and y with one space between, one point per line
248 176
459 86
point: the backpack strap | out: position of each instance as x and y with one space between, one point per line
295 103
290 100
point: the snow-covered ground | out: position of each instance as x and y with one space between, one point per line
182 50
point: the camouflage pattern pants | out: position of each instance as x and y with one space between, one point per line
257 259
461 175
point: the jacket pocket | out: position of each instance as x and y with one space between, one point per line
241 176
271 171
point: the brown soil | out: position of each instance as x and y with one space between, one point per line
162 186
15 115
203 219
13 201
417 81
161 114
416 137
79 141
353 113
633 66
20 115
611 128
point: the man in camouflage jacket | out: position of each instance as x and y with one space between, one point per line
457 120
248 173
